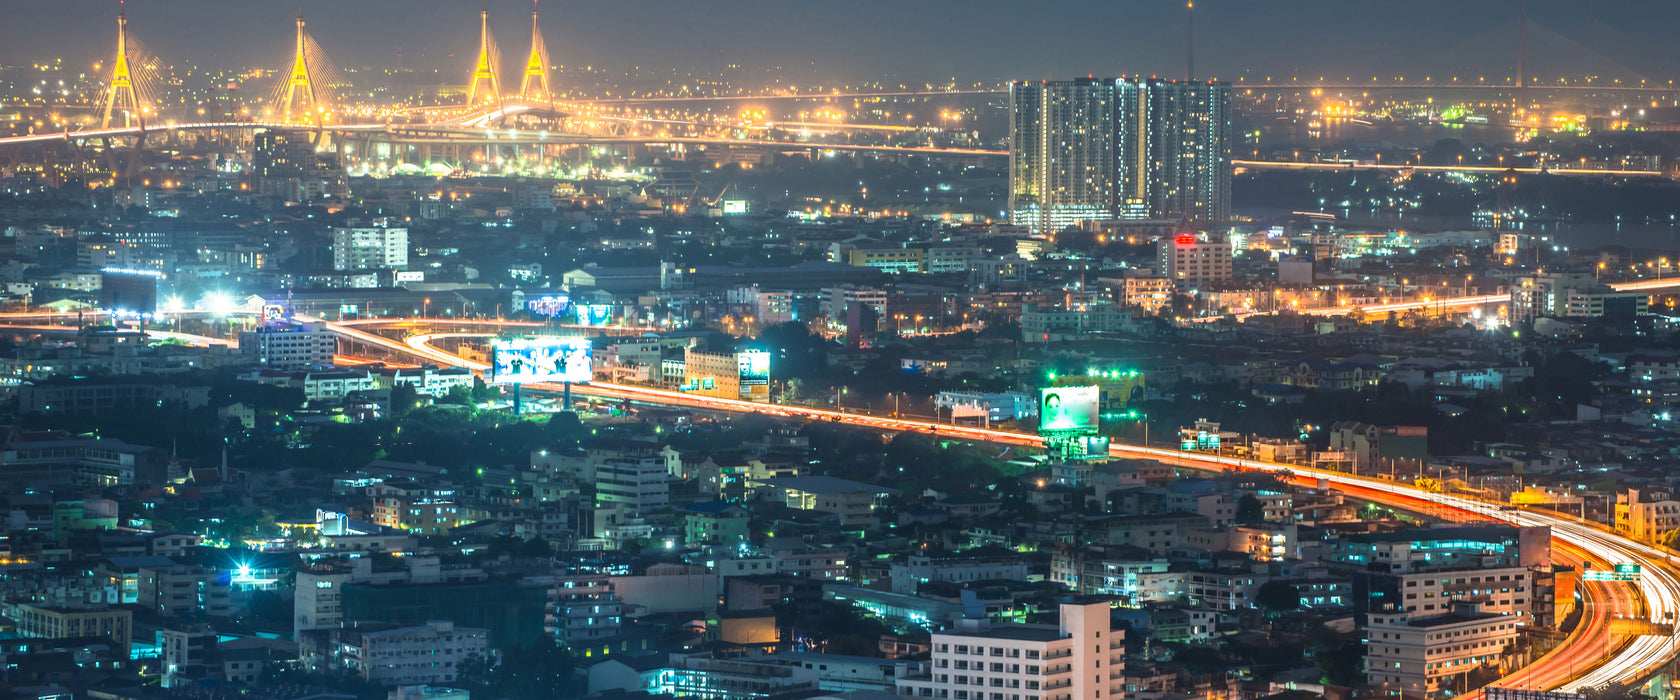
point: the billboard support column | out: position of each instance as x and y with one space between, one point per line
516 404
567 403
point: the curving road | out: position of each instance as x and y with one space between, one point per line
1590 656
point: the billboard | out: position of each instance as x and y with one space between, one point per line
129 292
734 206
532 360
411 276
550 306
594 314
755 367
1068 409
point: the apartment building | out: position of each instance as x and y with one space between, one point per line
1079 657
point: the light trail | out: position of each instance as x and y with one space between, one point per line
1592 658
1483 169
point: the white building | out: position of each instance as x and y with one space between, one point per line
1424 656
1499 591
430 380
1190 260
378 248
643 485
917 569
424 654
1079 658
290 347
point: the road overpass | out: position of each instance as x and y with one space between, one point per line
1590 656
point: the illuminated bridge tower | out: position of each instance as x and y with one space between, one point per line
485 74
301 98
121 96
536 67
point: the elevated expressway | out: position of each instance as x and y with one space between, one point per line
1593 654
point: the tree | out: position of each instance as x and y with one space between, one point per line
1277 597
540 671
404 399
459 395
1250 509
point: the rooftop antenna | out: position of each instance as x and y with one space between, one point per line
1522 46
1189 40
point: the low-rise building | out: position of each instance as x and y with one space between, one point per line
1425 656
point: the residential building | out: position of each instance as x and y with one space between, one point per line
1647 513
372 248
1425 656
393 655
1079 657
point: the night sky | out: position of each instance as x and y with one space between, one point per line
914 40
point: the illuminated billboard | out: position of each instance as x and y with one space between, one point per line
594 314
734 206
1068 409
129 292
533 360
550 306
755 367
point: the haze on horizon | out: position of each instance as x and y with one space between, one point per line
924 41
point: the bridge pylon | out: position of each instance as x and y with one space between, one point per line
486 78
301 102
121 95
536 67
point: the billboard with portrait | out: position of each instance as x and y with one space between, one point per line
755 367
594 314
1068 409
533 360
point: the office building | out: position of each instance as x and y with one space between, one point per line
1103 149
1427 656
289 346
1079 657
370 248
1189 259
642 485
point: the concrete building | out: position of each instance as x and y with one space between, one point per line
642 485
956 567
51 622
289 346
1426 656
1648 513
1191 260
1081 657
376 248
583 610
393 655
854 502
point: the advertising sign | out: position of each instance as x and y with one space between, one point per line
755 367
550 306
533 360
594 314
1068 409
734 206
411 276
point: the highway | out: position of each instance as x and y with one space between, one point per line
1591 656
